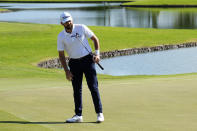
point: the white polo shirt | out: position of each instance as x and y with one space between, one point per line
70 43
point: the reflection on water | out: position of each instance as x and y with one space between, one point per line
164 18
158 63
102 14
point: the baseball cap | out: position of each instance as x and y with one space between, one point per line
65 16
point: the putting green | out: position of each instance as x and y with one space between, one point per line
9 122
145 104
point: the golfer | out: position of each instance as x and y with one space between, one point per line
74 40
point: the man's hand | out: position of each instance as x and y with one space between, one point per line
96 58
69 75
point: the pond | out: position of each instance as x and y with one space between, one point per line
101 14
169 62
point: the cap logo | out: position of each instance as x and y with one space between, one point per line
64 17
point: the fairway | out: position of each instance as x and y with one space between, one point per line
138 104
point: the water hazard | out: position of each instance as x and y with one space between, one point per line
101 14
169 62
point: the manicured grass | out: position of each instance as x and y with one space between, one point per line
135 2
24 45
186 10
58 0
160 104
3 10
163 2
9 122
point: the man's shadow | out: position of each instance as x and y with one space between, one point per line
51 122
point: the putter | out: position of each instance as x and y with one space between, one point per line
77 35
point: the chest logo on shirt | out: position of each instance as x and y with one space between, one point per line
77 35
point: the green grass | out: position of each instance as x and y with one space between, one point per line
9 122
160 104
163 2
36 99
157 10
58 0
24 45
3 10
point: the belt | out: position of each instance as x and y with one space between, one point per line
81 57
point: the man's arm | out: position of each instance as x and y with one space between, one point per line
63 60
97 47
65 66
96 42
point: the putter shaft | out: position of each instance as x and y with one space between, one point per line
77 35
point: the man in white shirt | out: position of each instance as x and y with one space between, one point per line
73 40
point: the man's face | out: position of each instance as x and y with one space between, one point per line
68 25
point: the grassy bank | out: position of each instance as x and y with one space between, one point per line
58 0
3 10
162 2
24 45
135 2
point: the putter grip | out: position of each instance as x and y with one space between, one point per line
100 66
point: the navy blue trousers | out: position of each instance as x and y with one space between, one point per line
86 66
